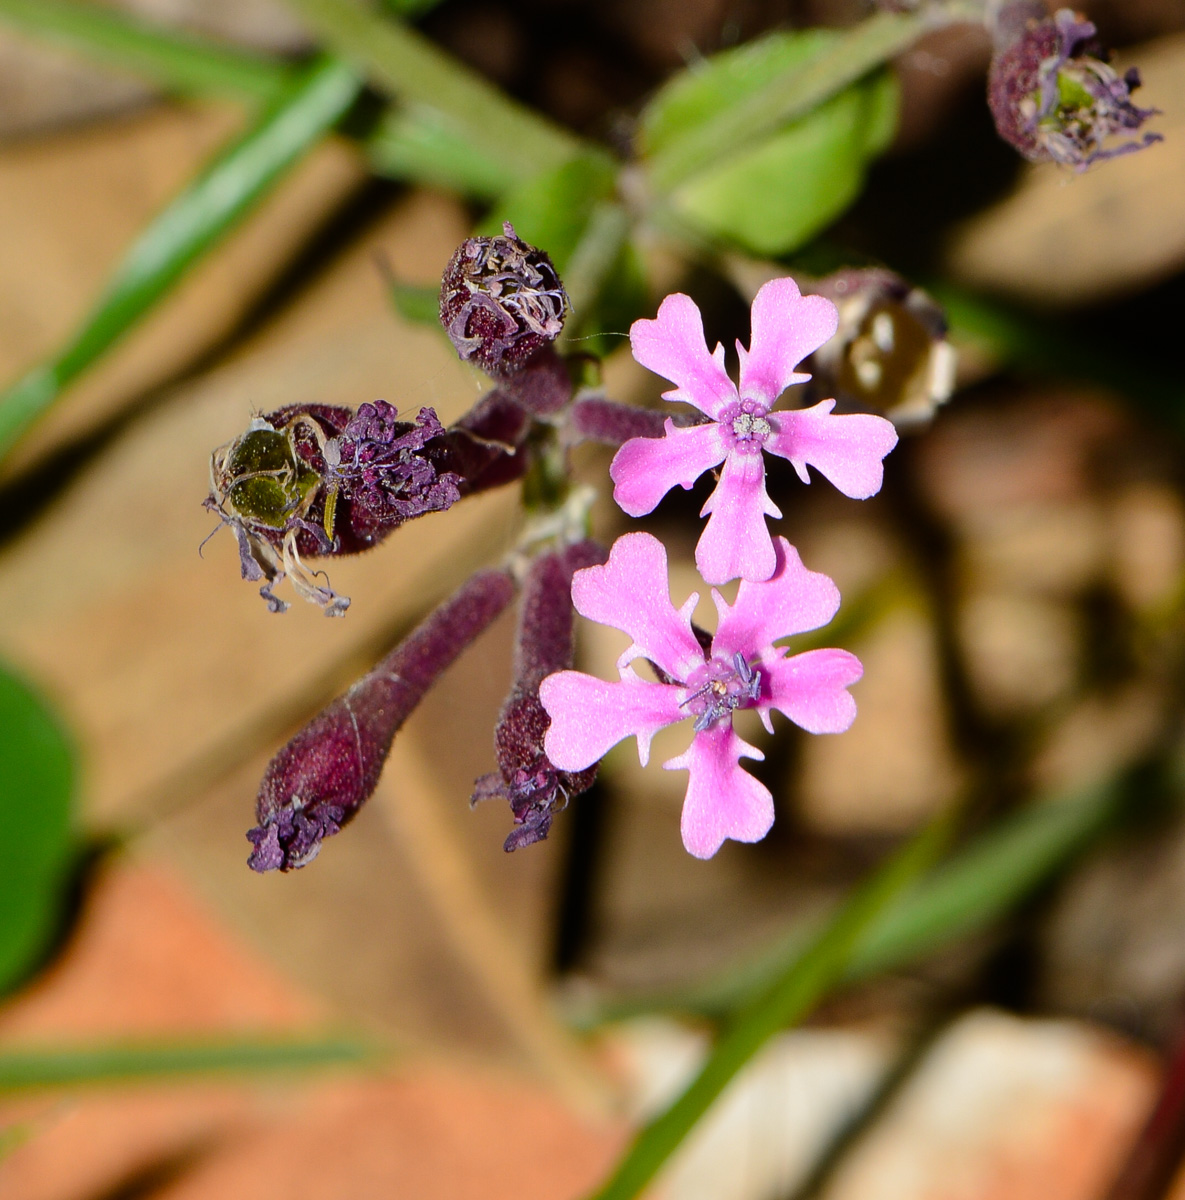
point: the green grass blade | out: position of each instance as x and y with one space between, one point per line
963 896
806 979
22 1070
789 96
976 888
173 60
190 226
407 65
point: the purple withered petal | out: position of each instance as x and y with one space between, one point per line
735 540
589 716
810 689
793 600
673 346
848 450
723 800
645 468
321 778
785 328
631 593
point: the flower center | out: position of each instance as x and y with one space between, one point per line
748 422
718 688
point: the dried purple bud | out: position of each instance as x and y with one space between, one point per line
1051 92
315 480
321 778
501 301
526 778
890 354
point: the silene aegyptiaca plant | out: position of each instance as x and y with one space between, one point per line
316 482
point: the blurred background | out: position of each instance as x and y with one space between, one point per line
420 1014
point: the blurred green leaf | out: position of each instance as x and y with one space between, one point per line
55 1068
418 143
697 95
190 226
415 303
552 210
38 848
772 198
409 10
173 60
741 110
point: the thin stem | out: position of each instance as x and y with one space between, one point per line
805 981
847 59
176 61
190 226
408 66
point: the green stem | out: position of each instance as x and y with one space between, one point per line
190 226
808 978
172 60
408 66
850 57
25 1069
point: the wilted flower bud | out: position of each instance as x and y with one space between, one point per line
1051 92
535 788
320 779
313 480
890 354
501 301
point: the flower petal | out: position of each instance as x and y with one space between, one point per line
630 592
673 346
811 688
736 540
792 600
590 715
645 469
846 449
722 800
786 327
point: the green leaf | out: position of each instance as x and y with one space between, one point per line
697 95
173 60
772 198
751 101
38 847
190 226
418 143
412 302
55 1068
552 210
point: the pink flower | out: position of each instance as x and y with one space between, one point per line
847 449
744 669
